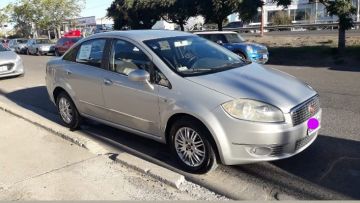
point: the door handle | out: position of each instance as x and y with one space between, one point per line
108 82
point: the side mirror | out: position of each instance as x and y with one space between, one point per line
139 75
219 42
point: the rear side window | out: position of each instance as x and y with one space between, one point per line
91 52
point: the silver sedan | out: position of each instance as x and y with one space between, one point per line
10 63
205 102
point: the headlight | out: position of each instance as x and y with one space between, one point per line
249 49
251 110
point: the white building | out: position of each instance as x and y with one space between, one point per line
300 11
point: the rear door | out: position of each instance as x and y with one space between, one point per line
84 73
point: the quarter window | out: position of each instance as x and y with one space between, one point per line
91 52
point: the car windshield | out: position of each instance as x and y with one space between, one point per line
22 41
192 55
43 41
2 48
234 38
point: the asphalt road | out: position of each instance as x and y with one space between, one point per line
328 169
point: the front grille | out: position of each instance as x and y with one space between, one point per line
302 113
303 142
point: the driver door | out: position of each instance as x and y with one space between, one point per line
130 104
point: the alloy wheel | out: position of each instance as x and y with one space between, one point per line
190 147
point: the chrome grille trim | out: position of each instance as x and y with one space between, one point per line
300 114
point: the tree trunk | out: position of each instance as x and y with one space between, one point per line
342 40
49 35
182 27
220 26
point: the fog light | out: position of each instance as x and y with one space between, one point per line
260 151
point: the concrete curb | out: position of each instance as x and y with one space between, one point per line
160 173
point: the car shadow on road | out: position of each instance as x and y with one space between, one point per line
330 163
316 57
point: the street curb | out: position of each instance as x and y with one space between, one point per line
161 174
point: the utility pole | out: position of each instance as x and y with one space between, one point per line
358 13
262 20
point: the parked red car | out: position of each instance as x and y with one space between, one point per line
66 42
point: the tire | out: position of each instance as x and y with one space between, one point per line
205 163
241 55
74 120
57 53
38 53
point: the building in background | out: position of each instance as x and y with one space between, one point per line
88 25
300 11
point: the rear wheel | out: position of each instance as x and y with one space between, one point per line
68 111
38 52
57 53
191 146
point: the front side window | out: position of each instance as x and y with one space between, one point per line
126 58
91 52
234 38
192 55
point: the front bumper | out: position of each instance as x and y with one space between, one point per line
260 58
16 70
243 142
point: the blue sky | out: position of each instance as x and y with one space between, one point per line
93 7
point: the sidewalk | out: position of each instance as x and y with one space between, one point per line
37 165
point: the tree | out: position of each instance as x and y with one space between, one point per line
217 11
31 16
174 11
344 10
132 14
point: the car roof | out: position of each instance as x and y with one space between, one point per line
142 35
215 32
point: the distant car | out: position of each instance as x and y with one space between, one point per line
236 24
40 47
10 63
235 43
4 42
64 44
18 45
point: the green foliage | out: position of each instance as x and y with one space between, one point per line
43 14
281 18
343 9
133 14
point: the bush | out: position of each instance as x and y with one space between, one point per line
281 18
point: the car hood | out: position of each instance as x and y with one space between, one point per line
258 83
7 56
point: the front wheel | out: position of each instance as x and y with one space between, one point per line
68 112
191 146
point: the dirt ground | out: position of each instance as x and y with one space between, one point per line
302 41
319 51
